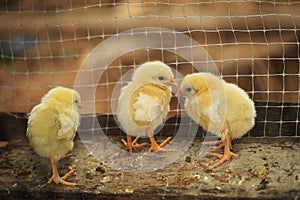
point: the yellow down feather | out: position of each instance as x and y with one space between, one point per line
52 124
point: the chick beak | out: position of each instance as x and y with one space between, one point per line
179 93
172 82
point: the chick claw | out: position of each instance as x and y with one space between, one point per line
159 148
222 158
219 145
56 179
226 144
65 156
55 176
133 145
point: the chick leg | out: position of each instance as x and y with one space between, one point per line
213 142
158 148
56 178
227 153
3 144
133 145
65 156
220 145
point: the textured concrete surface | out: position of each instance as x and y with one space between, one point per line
267 168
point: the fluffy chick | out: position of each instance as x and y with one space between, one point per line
52 125
144 103
219 107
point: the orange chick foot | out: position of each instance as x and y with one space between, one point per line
66 156
133 145
56 179
159 148
213 142
3 144
219 145
222 158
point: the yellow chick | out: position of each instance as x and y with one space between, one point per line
144 103
219 107
52 125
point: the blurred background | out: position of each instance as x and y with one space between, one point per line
254 44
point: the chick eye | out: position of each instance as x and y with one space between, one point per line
76 101
161 78
188 89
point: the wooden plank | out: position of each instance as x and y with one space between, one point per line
23 174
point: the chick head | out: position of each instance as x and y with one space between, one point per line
197 83
154 72
63 95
